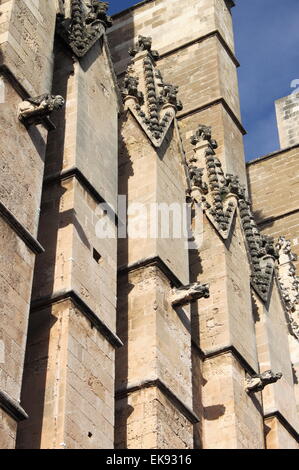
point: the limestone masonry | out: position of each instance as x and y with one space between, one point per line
149 296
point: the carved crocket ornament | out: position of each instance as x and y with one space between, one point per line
152 102
87 24
220 195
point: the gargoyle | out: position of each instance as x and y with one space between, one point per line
257 383
187 294
35 110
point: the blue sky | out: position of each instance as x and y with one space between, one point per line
267 46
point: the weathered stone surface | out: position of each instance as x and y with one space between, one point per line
8 429
69 383
287 113
149 20
152 177
22 162
85 138
272 336
231 419
147 420
86 25
26 43
200 367
274 186
277 437
70 352
26 39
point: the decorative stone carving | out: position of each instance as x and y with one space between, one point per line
87 24
257 383
206 174
204 133
35 110
219 196
169 96
130 88
232 185
156 103
196 179
262 252
289 283
144 44
187 294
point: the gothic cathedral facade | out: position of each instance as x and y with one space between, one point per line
148 289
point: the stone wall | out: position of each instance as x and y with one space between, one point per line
287 113
26 62
72 328
196 55
153 381
274 185
69 371
148 19
122 366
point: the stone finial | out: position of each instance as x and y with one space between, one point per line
144 44
257 383
97 12
203 133
35 110
87 24
187 294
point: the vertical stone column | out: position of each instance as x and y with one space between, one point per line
153 379
277 339
26 43
196 44
223 325
69 371
195 41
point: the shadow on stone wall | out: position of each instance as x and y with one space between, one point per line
123 409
